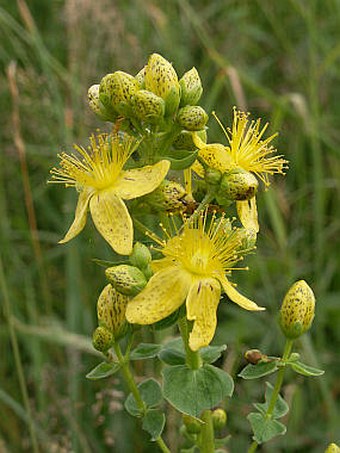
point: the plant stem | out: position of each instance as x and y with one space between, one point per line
193 358
135 391
206 200
276 391
207 443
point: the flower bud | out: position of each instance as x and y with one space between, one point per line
212 176
148 107
97 107
127 280
111 307
239 185
161 79
167 197
192 425
140 77
116 91
191 87
102 339
140 256
185 141
332 448
297 310
192 117
254 356
219 418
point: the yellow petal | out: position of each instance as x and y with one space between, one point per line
164 293
202 302
247 212
112 220
238 298
198 168
80 216
140 181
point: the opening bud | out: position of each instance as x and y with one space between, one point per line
140 77
185 140
148 107
332 448
102 339
239 185
167 197
297 310
191 87
192 117
116 91
127 280
219 418
111 307
96 105
161 79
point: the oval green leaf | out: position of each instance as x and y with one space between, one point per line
151 394
103 370
259 370
153 423
306 370
145 351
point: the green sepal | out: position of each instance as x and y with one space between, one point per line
103 370
151 394
305 370
265 429
145 351
259 370
181 159
281 407
153 423
191 391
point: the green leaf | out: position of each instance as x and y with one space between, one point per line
259 370
306 370
281 407
192 391
103 370
265 429
153 423
210 354
145 351
181 159
172 357
151 394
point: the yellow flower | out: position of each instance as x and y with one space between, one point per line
98 174
197 260
247 150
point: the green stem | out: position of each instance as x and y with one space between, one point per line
206 200
276 391
130 382
207 433
193 358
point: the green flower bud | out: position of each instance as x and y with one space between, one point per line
192 117
102 339
297 310
161 79
239 185
127 280
97 107
332 448
148 107
219 418
191 88
192 425
212 176
140 77
111 307
116 91
167 197
140 256
184 140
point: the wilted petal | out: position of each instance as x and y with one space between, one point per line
140 181
238 298
202 302
247 212
112 220
164 293
80 216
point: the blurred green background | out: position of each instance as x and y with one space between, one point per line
278 59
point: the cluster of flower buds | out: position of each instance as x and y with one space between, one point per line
155 96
